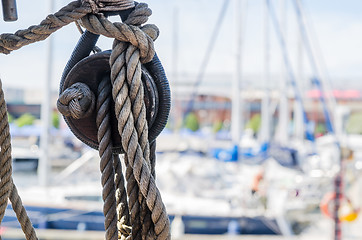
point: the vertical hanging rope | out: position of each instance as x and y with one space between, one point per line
142 211
126 80
153 158
6 169
106 163
7 187
130 140
21 215
123 223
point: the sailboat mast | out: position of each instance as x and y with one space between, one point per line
298 108
236 107
177 116
284 83
265 111
44 161
318 80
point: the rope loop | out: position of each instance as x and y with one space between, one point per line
94 4
108 5
141 37
139 15
77 101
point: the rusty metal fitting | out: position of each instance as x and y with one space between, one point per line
10 13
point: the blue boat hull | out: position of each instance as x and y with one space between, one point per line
73 219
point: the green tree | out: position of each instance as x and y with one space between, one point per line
217 126
191 122
254 123
354 123
25 119
320 128
10 118
55 119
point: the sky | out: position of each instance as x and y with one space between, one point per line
335 25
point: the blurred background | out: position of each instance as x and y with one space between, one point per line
264 135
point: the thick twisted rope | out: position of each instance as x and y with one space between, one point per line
6 169
130 139
138 37
123 223
136 95
132 136
147 212
68 14
109 5
141 40
95 23
153 158
21 215
133 203
105 153
7 187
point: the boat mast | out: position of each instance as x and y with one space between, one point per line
318 80
298 108
284 83
237 122
207 57
177 116
44 161
265 110
287 63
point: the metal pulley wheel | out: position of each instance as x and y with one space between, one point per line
92 69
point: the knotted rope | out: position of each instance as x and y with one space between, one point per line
144 215
110 5
77 101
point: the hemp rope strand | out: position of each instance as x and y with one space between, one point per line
129 134
7 186
115 205
106 163
123 223
96 24
130 144
6 169
68 14
138 17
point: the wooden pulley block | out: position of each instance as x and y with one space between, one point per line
91 70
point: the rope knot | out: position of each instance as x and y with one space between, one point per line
77 101
94 4
130 30
109 5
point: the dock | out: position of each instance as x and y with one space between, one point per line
321 230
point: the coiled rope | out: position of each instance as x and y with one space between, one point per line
143 214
